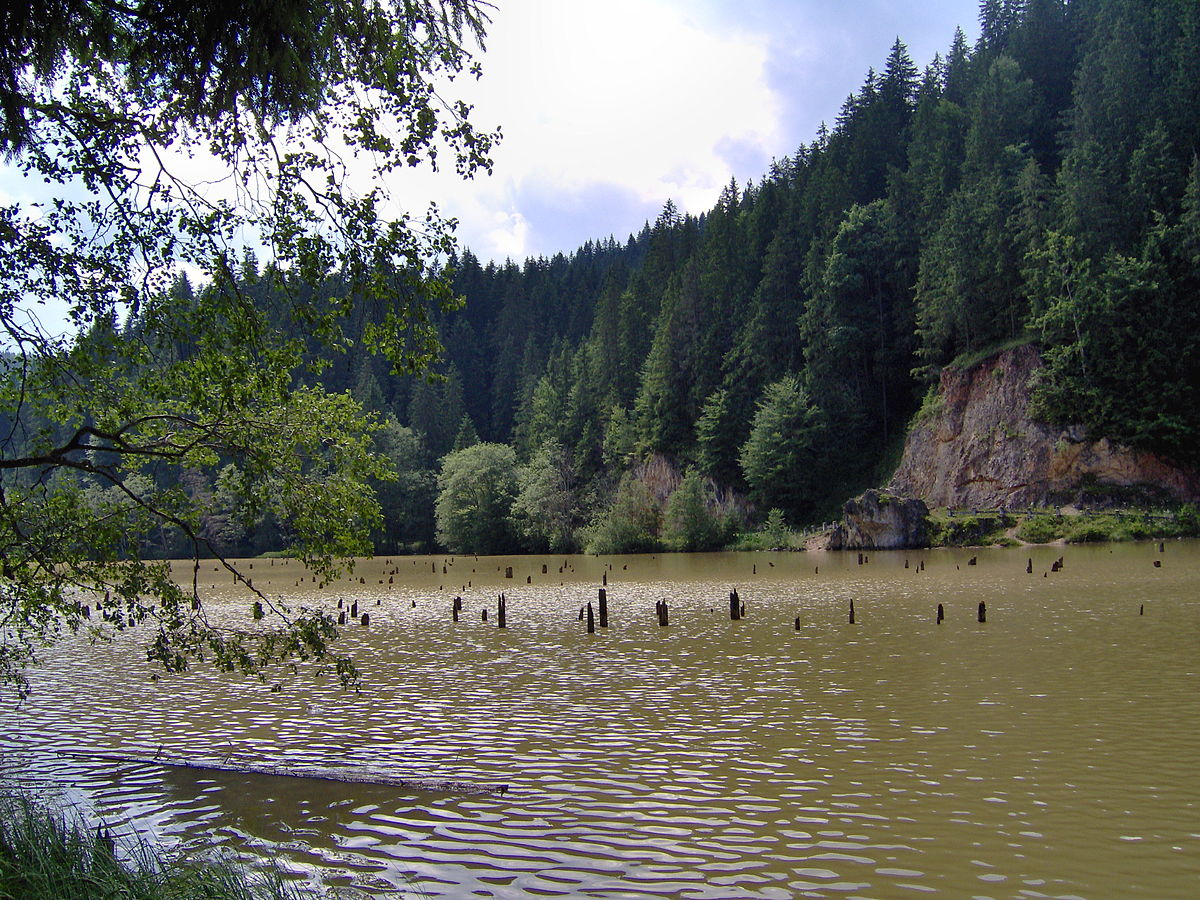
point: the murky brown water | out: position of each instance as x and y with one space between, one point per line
1051 752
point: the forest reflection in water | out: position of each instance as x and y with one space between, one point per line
1046 753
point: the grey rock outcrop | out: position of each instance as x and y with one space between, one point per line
977 446
880 521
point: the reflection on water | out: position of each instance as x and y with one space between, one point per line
1047 753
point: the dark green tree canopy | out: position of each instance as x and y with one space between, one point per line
180 355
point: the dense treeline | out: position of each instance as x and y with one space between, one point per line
1041 185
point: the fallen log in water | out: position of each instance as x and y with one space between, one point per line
319 773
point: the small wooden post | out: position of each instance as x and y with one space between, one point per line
860 558
941 614
591 619
258 610
851 610
603 608
354 610
1029 566
982 611
1162 547
500 613
508 571
797 623
543 568
581 610
754 569
972 561
735 606
663 614
906 563
1158 564
604 578
484 614
342 617
366 619
1142 610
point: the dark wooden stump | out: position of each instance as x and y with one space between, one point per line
591 619
852 611
735 606
501 617
603 600
941 614
982 611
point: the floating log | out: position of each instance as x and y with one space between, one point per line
315 773
603 602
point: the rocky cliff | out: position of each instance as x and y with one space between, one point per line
878 521
976 446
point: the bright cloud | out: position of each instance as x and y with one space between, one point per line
630 94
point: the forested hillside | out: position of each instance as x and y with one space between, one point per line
669 390
1041 185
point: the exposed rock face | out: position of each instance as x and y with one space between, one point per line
879 521
979 448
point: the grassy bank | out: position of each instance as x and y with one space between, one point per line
1044 526
46 855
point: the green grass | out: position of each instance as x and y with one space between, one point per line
1040 529
968 530
46 855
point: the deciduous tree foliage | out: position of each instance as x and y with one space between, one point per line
299 111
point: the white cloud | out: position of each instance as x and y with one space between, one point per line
628 93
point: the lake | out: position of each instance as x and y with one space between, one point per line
1049 752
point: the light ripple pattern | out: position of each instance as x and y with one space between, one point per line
1047 753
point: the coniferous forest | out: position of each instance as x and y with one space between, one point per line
761 362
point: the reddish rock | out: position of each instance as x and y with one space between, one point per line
978 447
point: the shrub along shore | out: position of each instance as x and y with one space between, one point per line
48 854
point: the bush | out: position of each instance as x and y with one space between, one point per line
629 525
1040 529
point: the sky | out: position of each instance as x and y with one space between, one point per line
611 107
